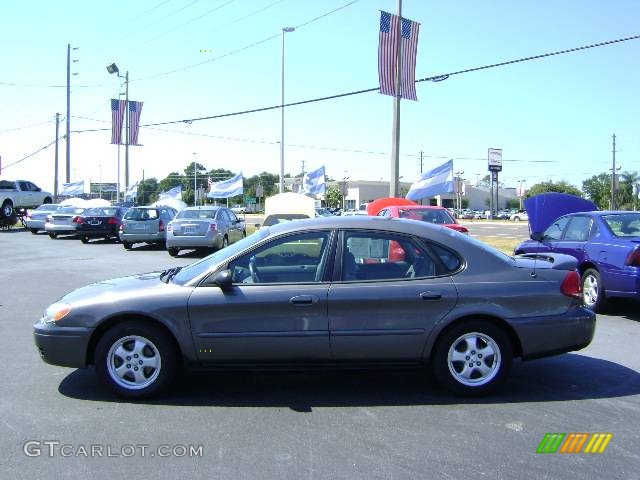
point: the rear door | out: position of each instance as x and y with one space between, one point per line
388 292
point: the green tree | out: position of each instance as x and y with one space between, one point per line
333 196
147 191
560 187
598 190
513 203
625 195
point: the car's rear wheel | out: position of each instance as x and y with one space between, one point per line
593 295
84 239
7 209
135 360
53 234
173 251
225 242
34 230
127 245
472 358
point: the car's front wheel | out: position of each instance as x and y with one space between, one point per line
135 360
593 295
472 358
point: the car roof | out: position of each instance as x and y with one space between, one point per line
418 207
204 207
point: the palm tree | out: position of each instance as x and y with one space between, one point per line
627 196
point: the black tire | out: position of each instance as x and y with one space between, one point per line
33 230
53 235
225 242
485 336
84 239
173 251
7 209
244 233
47 201
593 294
159 347
127 245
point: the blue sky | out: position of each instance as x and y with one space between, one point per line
553 117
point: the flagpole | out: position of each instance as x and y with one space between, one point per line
395 148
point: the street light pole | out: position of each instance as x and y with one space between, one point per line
284 30
195 181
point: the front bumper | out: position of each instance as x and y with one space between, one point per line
546 336
62 346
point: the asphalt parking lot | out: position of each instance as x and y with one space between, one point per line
390 424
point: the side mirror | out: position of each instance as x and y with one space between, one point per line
537 236
223 279
257 225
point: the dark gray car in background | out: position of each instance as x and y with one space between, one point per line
350 291
145 225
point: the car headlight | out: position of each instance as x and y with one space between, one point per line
55 313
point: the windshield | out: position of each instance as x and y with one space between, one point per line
195 269
624 224
141 214
196 214
430 215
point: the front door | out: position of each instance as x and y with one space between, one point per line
276 309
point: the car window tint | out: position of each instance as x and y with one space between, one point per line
450 260
294 258
383 256
141 214
554 232
578 229
624 224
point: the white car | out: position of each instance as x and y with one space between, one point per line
519 217
238 209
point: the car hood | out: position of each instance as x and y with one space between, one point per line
543 209
118 289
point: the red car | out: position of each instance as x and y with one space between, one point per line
424 213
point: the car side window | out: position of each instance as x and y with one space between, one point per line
298 258
384 213
578 229
554 232
383 256
232 216
450 260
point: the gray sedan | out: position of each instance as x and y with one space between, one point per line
63 221
37 218
203 227
145 224
354 291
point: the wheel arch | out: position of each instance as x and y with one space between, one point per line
494 320
109 323
586 266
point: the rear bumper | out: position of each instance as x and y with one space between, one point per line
62 346
97 232
546 336
209 241
49 227
143 237
39 224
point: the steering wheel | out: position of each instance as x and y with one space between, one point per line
254 272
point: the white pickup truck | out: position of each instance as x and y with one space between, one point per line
20 194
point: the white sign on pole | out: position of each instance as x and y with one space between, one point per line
494 156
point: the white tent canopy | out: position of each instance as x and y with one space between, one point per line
289 202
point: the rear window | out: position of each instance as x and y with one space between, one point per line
75 210
285 217
101 212
141 214
48 207
427 215
197 214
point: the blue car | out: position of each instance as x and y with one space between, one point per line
606 244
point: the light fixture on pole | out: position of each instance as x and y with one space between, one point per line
284 30
521 192
113 68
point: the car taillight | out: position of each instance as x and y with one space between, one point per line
113 221
571 285
633 259
169 228
78 220
161 226
213 227
122 227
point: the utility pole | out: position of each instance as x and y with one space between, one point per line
55 172
195 181
613 175
68 136
395 147
421 163
126 138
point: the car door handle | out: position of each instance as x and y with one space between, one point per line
303 300
431 296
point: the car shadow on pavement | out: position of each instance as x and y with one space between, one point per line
628 308
561 378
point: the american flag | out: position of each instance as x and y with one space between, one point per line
387 59
135 108
117 115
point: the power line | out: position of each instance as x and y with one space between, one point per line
32 154
25 127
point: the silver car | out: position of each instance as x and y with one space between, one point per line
145 225
203 227
36 219
330 291
63 221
